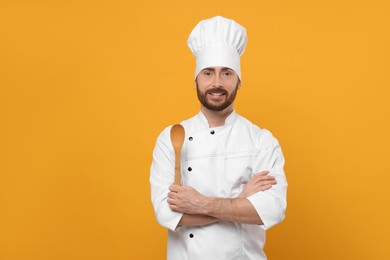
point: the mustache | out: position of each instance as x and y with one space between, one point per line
216 90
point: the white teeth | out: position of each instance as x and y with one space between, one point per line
216 94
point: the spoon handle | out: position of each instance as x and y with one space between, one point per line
177 166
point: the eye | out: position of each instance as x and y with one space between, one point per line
227 73
206 73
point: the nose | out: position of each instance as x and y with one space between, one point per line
218 81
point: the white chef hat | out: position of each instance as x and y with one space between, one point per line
217 42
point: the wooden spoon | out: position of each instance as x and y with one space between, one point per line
177 139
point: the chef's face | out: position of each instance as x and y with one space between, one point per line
217 87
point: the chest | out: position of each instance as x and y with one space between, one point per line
219 162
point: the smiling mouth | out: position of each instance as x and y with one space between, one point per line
217 94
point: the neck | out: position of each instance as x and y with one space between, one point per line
217 118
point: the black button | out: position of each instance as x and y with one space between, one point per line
191 235
190 138
212 132
189 169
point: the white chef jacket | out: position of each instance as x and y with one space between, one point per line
218 162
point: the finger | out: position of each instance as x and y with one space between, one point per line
263 176
267 177
173 207
262 173
177 209
172 195
258 178
266 183
174 188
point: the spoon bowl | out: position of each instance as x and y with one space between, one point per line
177 139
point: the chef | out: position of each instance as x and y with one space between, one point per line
233 185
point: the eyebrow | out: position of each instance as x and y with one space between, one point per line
213 69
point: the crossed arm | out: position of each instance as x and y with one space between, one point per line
200 210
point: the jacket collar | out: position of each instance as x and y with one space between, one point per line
228 121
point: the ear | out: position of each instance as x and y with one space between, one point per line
195 84
239 84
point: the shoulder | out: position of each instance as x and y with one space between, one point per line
165 134
190 121
262 137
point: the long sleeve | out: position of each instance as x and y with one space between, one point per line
271 204
161 177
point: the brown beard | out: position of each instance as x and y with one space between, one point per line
229 98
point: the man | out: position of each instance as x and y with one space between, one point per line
233 185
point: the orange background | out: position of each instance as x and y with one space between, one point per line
86 87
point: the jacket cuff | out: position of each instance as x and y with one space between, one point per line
168 218
267 208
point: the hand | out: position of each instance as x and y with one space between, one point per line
185 199
260 182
